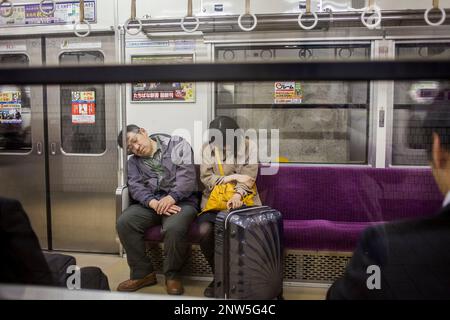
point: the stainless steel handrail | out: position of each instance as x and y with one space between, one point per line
289 21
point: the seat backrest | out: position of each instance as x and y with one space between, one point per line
350 194
160 134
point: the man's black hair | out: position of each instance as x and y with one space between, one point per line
437 120
130 128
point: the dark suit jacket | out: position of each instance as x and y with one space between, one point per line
413 256
21 258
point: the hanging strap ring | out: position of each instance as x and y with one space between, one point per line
377 11
133 19
346 56
305 54
182 24
81 21
437 23
82 35
300 23
49 12
128 29
9 11
253 26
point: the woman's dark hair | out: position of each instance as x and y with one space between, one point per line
221 125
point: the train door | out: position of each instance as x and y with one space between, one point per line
22 152
83 155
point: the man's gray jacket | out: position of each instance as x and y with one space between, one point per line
179 179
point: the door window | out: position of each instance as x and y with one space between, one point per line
83 109
15 110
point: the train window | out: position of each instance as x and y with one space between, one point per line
83 109
15 111
411 101
318 122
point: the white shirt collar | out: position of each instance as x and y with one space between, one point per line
446 200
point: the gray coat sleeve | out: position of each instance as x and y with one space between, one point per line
136 186
185 177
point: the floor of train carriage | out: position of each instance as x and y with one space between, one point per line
116 269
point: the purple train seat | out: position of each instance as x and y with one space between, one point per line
327 208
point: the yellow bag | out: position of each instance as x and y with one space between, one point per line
222 193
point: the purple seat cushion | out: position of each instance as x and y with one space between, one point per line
322 234
299 234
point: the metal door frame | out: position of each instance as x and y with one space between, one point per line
34 201
106 240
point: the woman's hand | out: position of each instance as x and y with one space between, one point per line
235 201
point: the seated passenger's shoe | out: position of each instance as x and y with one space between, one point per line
209 290
174 286
133 285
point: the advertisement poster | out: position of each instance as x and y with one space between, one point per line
288 92
83 107
10 107
65 12
163 91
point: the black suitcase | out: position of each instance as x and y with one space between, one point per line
94 278
249 254
90 277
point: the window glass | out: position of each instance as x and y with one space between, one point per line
412 99
15 110
83 109
318 122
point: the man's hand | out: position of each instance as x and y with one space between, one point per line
174 209
235 201
164 204
153 204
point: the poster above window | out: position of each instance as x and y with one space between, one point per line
163 91
66 12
